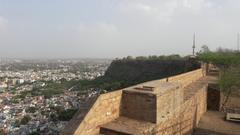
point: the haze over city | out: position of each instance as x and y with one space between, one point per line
119 67
114 28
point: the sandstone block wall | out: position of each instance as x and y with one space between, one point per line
185 117
168 102
105 109
187 78
151 106
183 79
139 106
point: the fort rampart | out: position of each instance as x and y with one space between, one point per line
173 111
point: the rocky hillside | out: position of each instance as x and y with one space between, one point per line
133 71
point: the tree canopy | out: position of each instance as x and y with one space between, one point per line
228 63
221 59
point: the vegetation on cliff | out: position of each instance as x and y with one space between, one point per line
122 73
129 71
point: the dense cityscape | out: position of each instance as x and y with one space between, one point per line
40 97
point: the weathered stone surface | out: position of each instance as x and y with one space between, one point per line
127 126
104 110
173 111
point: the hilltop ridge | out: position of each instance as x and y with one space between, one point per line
130 71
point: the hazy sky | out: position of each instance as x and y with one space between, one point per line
114 28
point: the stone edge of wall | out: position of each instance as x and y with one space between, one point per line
106 108
90 124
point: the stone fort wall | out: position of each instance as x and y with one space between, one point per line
105 109
108 107
185 117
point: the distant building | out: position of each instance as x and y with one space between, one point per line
3 85
20 81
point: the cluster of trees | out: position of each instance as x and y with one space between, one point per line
52 88
229 64
153 57
62 114
66 115
31 110
23 121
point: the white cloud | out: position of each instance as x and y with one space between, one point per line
98 28
144 7
163 10
197 5
3 24
160 11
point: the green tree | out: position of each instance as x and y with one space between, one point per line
229 78
34 133
31 109
25 120
66 115
205 49
53 117
229 82
16 123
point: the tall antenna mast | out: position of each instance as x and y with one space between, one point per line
238 41
194 44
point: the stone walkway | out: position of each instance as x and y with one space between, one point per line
191 89
213 123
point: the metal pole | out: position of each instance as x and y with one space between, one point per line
193 47
238 42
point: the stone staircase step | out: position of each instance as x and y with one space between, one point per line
126 126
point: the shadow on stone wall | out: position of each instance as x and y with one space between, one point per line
79 116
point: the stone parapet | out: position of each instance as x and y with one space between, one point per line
164 103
